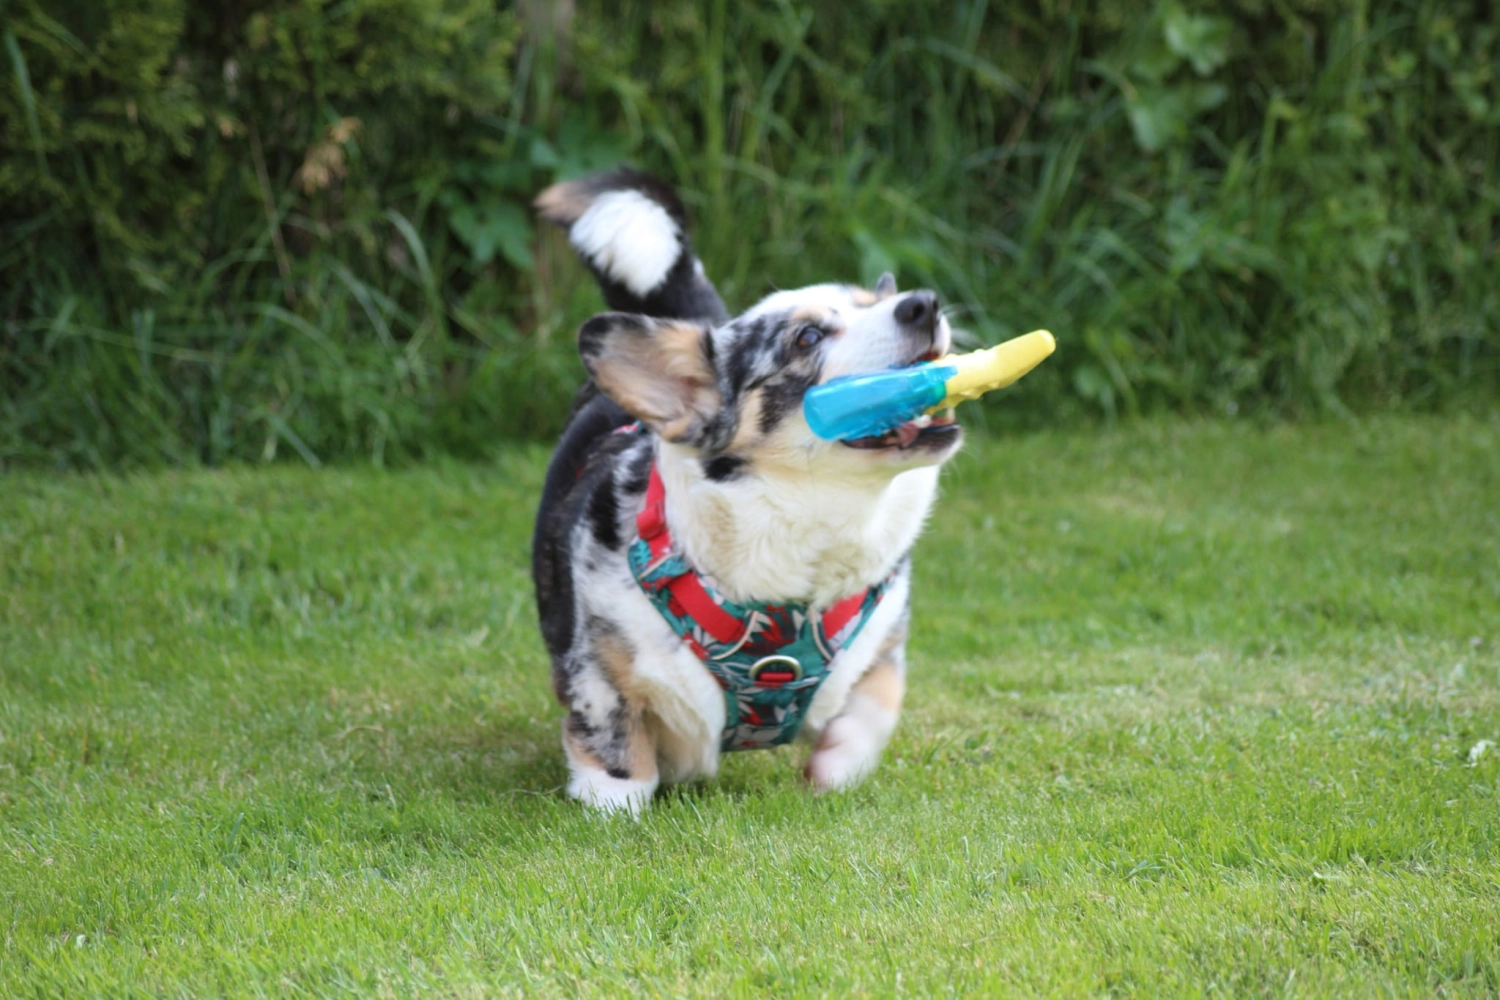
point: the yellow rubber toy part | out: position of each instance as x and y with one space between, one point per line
984 371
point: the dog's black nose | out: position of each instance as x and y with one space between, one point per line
918 310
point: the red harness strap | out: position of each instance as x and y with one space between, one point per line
838 615
688 591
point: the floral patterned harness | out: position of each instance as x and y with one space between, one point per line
770 659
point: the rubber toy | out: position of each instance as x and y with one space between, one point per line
872 403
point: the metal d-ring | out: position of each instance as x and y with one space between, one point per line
779 661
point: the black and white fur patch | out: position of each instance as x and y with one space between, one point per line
631 231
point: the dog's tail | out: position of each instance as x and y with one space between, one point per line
631 231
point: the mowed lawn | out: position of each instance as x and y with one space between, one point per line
1194 708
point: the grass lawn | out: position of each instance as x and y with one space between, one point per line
1192 710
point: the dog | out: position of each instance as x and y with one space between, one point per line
710 575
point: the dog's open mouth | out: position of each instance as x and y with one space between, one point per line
927 431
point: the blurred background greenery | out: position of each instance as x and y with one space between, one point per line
244 231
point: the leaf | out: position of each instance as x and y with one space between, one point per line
1157 116
28 100
512 228
493 226
1201 39
584 146
1154 61
1151 122
1160 114
1184 235
542 154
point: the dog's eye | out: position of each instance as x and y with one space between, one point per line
809 337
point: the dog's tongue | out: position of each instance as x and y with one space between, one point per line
907 433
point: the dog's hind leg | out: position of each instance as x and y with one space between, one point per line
613 769
849 747
611 751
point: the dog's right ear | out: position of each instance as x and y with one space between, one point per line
659 370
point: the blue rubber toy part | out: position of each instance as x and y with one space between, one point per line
867 405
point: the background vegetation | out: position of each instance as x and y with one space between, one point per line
299 227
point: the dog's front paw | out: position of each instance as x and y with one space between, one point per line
845 755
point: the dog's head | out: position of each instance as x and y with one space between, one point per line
734 392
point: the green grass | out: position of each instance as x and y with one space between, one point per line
1191 711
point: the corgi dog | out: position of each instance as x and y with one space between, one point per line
710 575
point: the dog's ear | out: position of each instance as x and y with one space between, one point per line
659 370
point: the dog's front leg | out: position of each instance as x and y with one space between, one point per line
850 746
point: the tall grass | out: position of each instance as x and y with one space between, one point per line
1208 224
381 367
229 249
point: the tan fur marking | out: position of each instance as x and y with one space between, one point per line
642 759
681 339
884 681
863 297
617 658
562 203
813 314
640 751
580 750
719 517
748 431
661 377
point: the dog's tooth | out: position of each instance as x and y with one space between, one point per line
924 420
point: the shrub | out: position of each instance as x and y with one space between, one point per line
255 230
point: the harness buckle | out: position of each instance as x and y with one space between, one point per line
775 670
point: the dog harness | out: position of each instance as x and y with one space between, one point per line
770 659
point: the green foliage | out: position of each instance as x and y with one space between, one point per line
1191 712
247 232
302 227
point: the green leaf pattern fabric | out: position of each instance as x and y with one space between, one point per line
771 674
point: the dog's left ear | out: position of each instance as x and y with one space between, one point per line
660 371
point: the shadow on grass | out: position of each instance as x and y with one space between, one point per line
515 759
465 760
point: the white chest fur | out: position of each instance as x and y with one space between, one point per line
777 535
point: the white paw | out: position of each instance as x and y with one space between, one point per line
845 755
608 794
